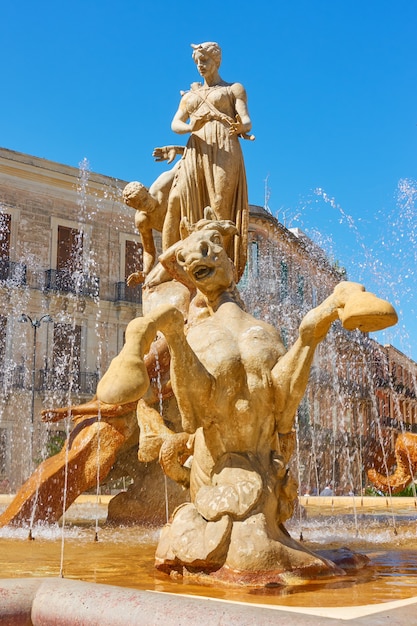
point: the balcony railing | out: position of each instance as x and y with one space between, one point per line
12 273
80 382
20 377
397 424
76 282
123 293
12 376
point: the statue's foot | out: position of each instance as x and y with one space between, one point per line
149 447
157 276
137 278
151 443
152 432
257 558
368 313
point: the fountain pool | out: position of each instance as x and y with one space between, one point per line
385 530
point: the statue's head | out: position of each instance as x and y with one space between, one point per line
209 49
200 260
136 195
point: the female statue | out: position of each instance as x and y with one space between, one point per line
211 171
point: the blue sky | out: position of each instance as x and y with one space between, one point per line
332 92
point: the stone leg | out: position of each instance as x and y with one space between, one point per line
256 559
42 495
127 379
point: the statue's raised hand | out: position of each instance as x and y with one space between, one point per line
137 278
167 153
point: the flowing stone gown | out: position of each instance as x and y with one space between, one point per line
211 171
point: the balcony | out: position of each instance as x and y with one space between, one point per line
19 377
79 382
12 376
12 273
123 293
77 283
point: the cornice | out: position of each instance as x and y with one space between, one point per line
37 171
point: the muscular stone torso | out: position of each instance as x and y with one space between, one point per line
239 352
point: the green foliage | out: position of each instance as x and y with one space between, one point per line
55 443
408 492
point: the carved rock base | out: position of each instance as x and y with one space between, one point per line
244 552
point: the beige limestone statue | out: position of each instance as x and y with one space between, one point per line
113 429
103 444
406 466
237 390
211 170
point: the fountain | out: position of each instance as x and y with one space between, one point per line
232 385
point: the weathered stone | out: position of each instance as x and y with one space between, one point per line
234 490
192 541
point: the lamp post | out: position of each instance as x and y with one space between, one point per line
35 323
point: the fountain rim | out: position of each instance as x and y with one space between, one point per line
37 601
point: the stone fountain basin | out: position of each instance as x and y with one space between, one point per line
113 581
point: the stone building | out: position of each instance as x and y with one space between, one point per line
67 244
361 394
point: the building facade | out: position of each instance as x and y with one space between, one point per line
67 244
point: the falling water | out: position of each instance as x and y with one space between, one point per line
385 260
386 266
274 311
161 407
379 251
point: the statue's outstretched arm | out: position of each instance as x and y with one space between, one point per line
356 308
167 153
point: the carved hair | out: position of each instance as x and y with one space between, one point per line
210 221
209 48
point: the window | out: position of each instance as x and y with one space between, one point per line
69 257
3 327
133 257
300 289
303 413
314 298
254 259
284 337
5 222
3 451
284 280
66 356
5 229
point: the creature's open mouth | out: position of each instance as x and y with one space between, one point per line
202 271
